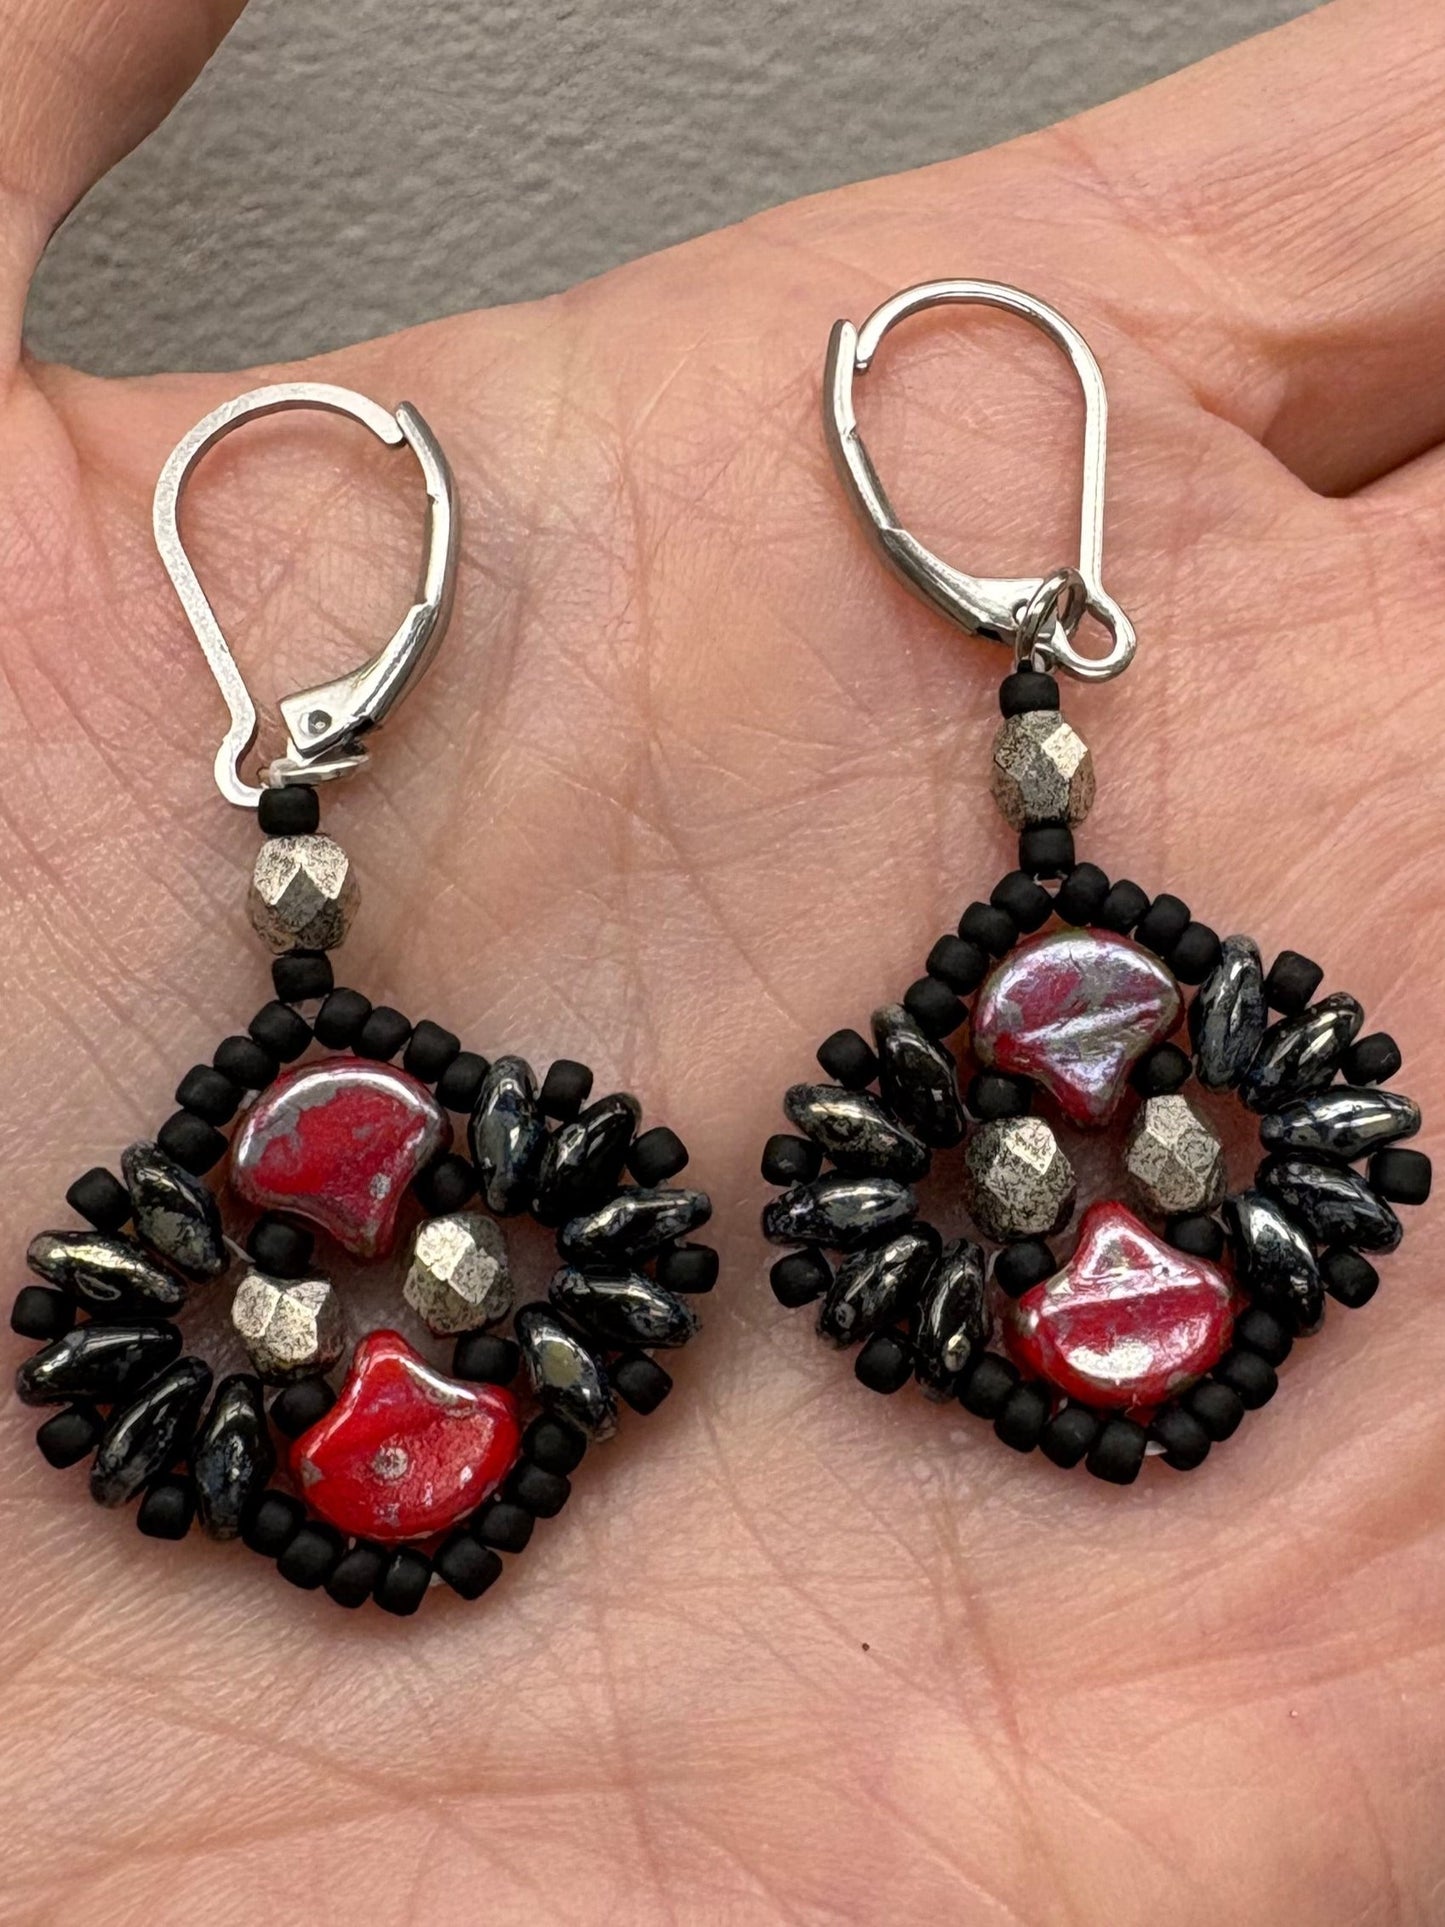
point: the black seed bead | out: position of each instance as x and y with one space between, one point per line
688 1268
1019 897
292 810
954 961
340 1019
565 1089
992 929
1185 1441
41 1313
1219 1409
1349 1279
429 1051
1081 897
100 1197
311 1556
1291 983
280 1248
191 1142
245 1063
985 1387
1122 908
849 1059
467 1567
353 1578
1025 1413
800 1277
1068 1435
1401 1176
1021 1266
403 1582
504 1525
640 1380
994 1094
933 1007
168 1509
384 1033
485 1359
554 1446
301 975
1201 1236
209 1093
1196 955
298 1407
1161 1070
1258 1330
656 1156
1118 1452
538 1491
272 1523
279 1029
1249 1376
1371 1060
1163 924
1047 850
1027 689
885 1363
791 1160
460 1084
70 1435
446 1184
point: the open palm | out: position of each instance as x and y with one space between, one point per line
693 782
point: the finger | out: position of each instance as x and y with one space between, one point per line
81 82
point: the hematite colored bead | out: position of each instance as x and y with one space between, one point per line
340 1018
298 1407
555 1447
507 1136
108 1275
986 1385
1161 1071
103 1363
279 1029
885 1363
191 1142
299 975
280 1248
1196 954
1371 1060
1274 1261
1163 924
485 1359
1173 1160
39 1312
1042 771
209 1093
502 1524
69 1436
917 1077
954 961
1081 897
292 810
641 1381
1022 900
635 1225
1025 1412
873 1288
146 1435
1350 1280
848 1060
1332 1204
856 1132
1403 1177
303 893
1338 1123
1227 1019
1185 1441
446 1184
175 1215
1251 1378
993 929
842 1212
403 1582
540 1492
1198 1234
933 1007
583 1162
1022 1265
565 1375
1122 908
233 1456
460 1084
1218 1408
800 1278
951 1320
1068 1435
310 1556
1046 850
1299 1054
565 1089
1118 1452
1025 690
468 1567
1291 982
1258 1330
995 1094
688 1268
167 1509
623 1309
99 1196
354 1576
1017 1182
430 1051
245 1063
656 1156
271 1523
383 1034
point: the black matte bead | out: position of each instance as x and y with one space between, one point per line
272 1523
280 1248
1122 908
688 1268
191 1142
933 1007
541 1492
994 1094
69 1435
554 1446
486 1359
565 1089
310 1556
640 1380
353 1578
1258 1330
954 961
99 1196
446 1184
301 975
41 1313
1201 1236
340 1019
1118 1452
1019 1267
1196 955
885 1363
1185 1441
800 1277
299 1406
1019 897
656 1156
460 1084
1081 897
1251 1378
209 1093
1400 1175
1371 1060
986 1385
1068 1435
1291 983
504 1525
279 1029
245 1063
849 1059
292 810
1025 1413
1350 1280
992 929
403 1582
384 1033
1219 1409
1047 850
1163 924
791 1160
429 1051
1027 689
168 1509
1161 1070
468 1567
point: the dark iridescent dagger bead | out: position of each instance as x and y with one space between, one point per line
1299 1054
1228 1017
634 1225
951 1322
147 1435
844 1213
1345 1123
873 1288
108 1275
101 1363
918 1078
622 1309
1331 1204
174 1213
566 1377
1273 1260
856 1132
233 1456
507 1136
584 1158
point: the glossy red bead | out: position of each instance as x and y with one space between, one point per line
405 1451
338 1143
1128 1322
1075 1010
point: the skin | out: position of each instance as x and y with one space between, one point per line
693 781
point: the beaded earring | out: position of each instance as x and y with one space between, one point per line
408 1473
1172 1313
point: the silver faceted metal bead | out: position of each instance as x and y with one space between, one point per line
1017 1181
459 1278
1174 1160
304 893
1043 771
291 1327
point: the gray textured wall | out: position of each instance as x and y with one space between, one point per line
344 169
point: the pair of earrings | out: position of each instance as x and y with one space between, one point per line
331 1115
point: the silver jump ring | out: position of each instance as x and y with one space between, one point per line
1061 600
